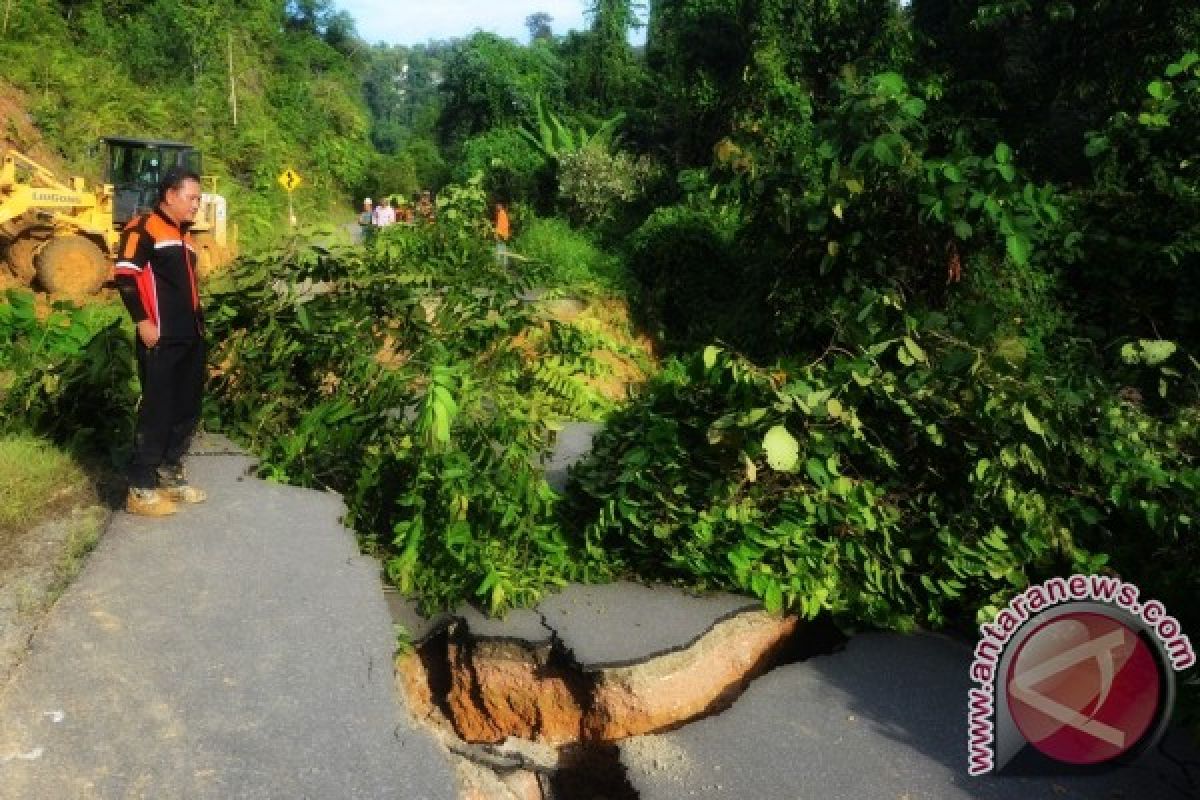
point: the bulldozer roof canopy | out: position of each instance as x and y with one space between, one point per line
145 142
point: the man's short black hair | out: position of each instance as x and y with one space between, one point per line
174 178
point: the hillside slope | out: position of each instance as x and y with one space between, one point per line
79 71
18 130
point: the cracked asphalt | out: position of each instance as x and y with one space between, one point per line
599 626
883 719
241 649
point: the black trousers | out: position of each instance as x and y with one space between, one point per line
172 375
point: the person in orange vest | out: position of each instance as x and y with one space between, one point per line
503 232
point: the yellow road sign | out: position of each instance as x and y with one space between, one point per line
290 180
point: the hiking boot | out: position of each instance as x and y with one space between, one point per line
185 493
173 482
149 503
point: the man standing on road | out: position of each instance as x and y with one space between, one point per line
156 276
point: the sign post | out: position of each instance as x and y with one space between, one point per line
290 180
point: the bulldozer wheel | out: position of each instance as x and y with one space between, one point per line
72 265
21 255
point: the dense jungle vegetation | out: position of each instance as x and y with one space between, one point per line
920 282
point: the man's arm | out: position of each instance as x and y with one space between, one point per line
133 260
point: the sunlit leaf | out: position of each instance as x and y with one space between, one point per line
782 449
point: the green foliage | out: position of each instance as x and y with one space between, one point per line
603 73
1138 268
562 256
493 82
338 368
512 168
428 164
68 376
685 262
593 179
851 195
465 214
1042 75
719 65
902 483
400 375
887 223
474 518
391 176
554 137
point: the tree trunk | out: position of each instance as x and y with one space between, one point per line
232 84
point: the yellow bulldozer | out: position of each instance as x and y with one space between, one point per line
62 235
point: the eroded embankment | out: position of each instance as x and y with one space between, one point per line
530 722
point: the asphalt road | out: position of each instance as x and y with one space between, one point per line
241 649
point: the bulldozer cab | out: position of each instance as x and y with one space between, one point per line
134 167
61 234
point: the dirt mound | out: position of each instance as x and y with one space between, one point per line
17 129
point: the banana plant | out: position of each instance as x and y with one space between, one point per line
555 139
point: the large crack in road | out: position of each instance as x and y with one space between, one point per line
534 718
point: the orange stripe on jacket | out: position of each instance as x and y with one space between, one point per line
131 243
